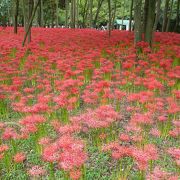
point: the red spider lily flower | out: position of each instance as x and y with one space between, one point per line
174 152
37 171
2 125
9 133
152 151
124 137
102 136
159 174
75 174
44 141
1 156
175 132
19 157
162 118
71 159
51 153
32 119
3 147
155 132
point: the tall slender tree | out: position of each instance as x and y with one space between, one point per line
131 12
57 13
16 16
165 15
97 11
146 6
84 14
41 22
109 22
67 12
170 15
114 13
158 8
91 13
177 16
77 14
28 30
30 12
73 13
150 21
137 19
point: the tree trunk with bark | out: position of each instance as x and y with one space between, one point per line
73 13
165 15
30 11
57 13
109 9
91 14
137 19
67 12
114 14
16 16
170 15
30 22
177 16
150 21
97 12
146 6
131 12
77 14
85 9
158 8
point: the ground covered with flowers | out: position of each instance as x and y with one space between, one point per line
76 104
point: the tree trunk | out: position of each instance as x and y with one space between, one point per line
158 8
114 14
137 19
177 16
25 15
165 15
16 16
169 18
77 14
91 14
146 6
131 12
41 16
67 12
97 11
73 13
109 9
36 15
30 23
150 21
85 9
30 11
57 13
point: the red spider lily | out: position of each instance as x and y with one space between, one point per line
3 147
9 133
80 77
124 137
101 117
66 151
159 174
37 171
155 132
19 157
32 119
75 174
174 152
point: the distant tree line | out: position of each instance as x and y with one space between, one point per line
149 15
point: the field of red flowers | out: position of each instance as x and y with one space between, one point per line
76 104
